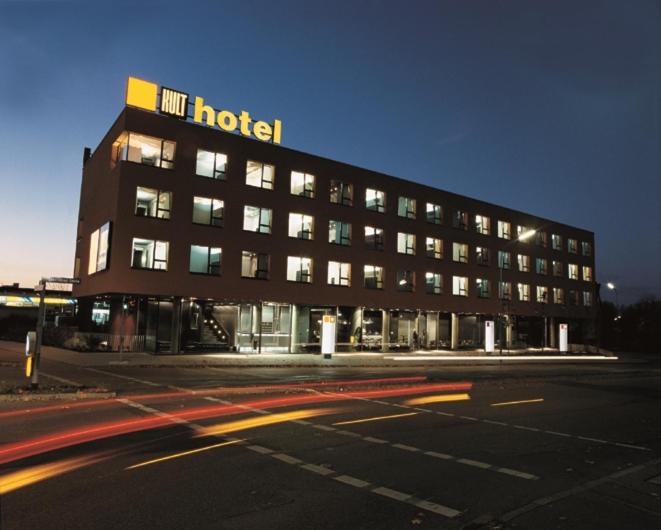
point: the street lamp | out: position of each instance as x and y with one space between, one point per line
523 236
611 286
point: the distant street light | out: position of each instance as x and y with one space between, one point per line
611 286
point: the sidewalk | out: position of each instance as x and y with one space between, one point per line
13 351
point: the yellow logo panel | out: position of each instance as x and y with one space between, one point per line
141 94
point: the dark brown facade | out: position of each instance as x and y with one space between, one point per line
108 194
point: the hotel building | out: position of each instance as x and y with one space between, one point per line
191 238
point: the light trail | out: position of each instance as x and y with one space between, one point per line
187 394
262 421
505 403
376 418
437 399
25 477
59 440
185 453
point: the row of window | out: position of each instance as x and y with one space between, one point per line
210 211
151 254
148 150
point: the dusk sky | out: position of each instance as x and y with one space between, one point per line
552 108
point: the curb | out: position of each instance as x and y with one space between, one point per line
63 396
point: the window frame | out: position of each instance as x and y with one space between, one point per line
378 279
436 216
307 191
406 207
260 223
154 260
215 221
380 200
345 239
158 203
265 184
303 217
210 265
344 279
260 257
379 239
345 199
216 173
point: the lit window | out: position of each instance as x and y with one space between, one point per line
152 203
524 292
339 273
99 249
482 255
374 238
541 266
524 262
373 276
504 259
207 211
434 213
205 260
556 242
482 285
341 193
586 248
211 165
299 269
405 243
482 225
260 175
142 149
375 200
460 252
504 230
434 248
587 273
460 220
254 265
542 294
433 283
149 254
557 268
505 290
339 233
257 219
302 184
572 271
572 246
405 281
406 207
587 298
558 295
301 226
460 285
520 230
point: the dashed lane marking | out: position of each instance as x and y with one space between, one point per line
510 425
60 379
127 377
307 466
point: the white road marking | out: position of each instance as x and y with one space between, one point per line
393 494
321 427
442 456
437 508
406 447
321 470
260 449
348 433
286 458
557 433
60 379
128 378
373 440
523 427
515 473
474 463
352 481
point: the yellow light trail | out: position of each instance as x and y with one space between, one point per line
261 421
538 400
32 475
437 399
185 453
376 418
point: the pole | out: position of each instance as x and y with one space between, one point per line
502 304
41 315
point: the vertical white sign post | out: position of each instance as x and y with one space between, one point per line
489 336
328 335
562 339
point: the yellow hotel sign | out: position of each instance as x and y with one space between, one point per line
145 95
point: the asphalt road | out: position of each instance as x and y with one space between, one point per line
544 446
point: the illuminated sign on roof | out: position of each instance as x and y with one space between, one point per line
169 102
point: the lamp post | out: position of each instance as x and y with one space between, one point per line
523 236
